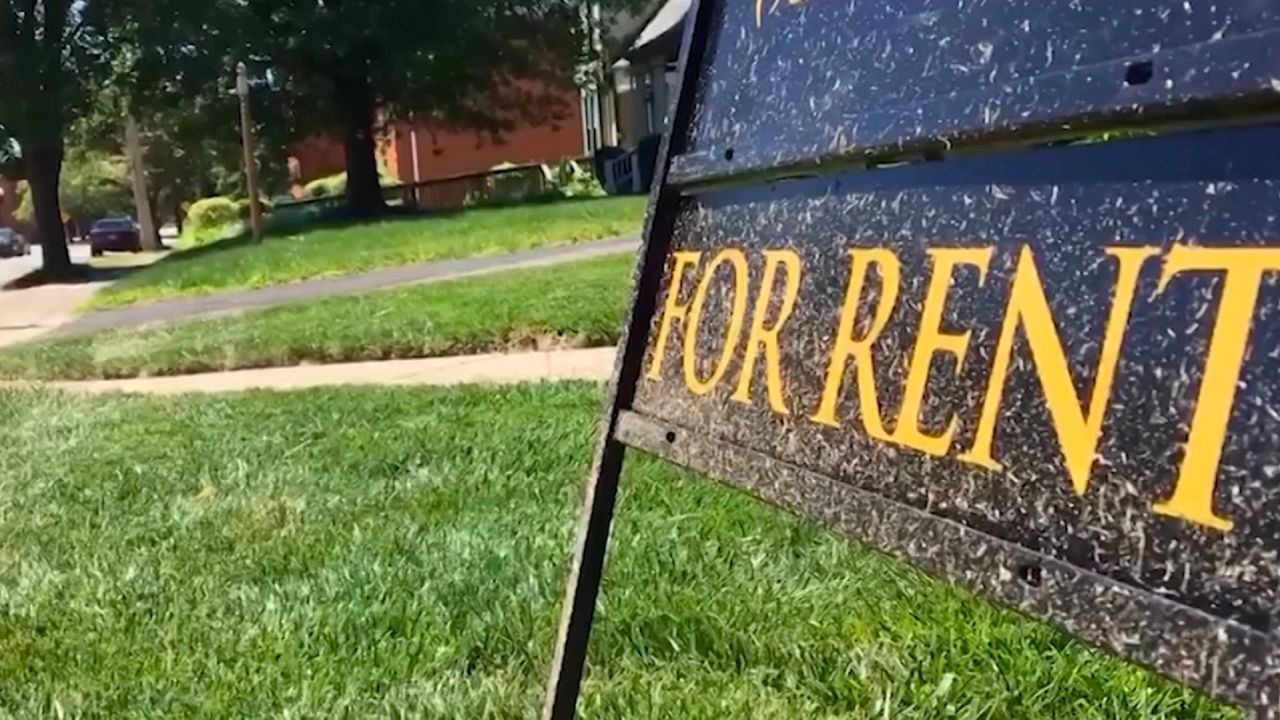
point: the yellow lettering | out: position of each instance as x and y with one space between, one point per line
733 333
763 337
847 348
930 341
760 11
1242 270
674 310
1078 431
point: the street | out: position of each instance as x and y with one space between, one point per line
14 268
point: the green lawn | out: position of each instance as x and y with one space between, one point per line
578 304
286 258
399 553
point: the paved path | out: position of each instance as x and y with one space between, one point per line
498 369
183 308
29 313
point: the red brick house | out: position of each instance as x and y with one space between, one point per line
315 157
632 104
443 153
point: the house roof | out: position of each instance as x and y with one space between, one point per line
670 16
662 27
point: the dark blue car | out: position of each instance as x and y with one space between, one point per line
114 235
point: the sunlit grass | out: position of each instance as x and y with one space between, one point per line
288 257
400 553
577 304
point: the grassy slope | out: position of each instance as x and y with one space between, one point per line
578 305
357 554
237 265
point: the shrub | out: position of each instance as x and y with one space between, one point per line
210 218
571 180
512 187
336 185
326 187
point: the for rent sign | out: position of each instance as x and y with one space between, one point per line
904 276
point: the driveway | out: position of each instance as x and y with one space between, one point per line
25 314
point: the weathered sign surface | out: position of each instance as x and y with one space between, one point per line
1047 371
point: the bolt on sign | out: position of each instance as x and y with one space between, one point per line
990 286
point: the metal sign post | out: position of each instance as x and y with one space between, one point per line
1003 304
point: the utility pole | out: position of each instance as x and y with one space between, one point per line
417 169
141 200
250 153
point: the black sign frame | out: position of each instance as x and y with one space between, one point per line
1224 659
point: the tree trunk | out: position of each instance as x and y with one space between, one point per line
44 172
355 102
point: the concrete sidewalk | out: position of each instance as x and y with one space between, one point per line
183 308
32 312
28 313
497 369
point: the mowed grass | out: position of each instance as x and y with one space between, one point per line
393 553
578 304
327 251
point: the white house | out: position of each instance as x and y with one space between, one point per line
641 53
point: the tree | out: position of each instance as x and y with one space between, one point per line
93 185
191 142
49 54
169 68
191 155
353 64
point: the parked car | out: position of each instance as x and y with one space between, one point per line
13 244
114 235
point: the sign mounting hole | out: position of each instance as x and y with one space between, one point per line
728 155
1032 575
1139 73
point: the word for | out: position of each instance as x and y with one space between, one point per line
761 11
1077 421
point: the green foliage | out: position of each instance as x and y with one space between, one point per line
216 218
482 65
509 187
579 304
336 185
209 219
314 252
53 55
25 212
94 185
568 180
331 186
571 180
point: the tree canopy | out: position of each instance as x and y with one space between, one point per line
94 185
75 68
350 66
51 53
